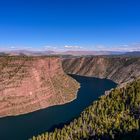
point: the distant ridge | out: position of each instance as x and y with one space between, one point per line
72 53
28 53
50 52
79 53
135 53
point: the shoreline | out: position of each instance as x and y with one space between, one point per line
26 113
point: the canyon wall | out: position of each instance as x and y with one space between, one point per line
119 69
31 83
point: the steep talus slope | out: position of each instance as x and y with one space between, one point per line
118 69
31 83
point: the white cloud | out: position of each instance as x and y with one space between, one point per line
121 48
13 47
53 48
125 45
72 47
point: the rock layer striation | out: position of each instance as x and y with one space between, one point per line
31 83
119 69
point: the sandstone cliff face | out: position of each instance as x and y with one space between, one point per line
118 69
31 83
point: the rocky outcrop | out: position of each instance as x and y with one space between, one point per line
119 69
31 83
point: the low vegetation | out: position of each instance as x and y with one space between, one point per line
112 116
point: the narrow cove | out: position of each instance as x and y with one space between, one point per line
24 126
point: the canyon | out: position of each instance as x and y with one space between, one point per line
119 69
115 112
28 84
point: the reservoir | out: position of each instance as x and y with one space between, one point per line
25 126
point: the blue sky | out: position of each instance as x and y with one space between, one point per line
70 24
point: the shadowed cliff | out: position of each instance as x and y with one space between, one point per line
118 69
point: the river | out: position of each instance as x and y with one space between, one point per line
23 127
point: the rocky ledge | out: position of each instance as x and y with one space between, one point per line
28 84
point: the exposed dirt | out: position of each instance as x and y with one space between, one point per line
31 83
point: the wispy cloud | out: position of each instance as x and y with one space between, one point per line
73 47
121 48
14 48
49 48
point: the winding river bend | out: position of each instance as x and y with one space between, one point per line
24 126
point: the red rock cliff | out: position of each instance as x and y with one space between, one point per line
31 83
